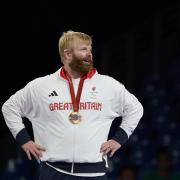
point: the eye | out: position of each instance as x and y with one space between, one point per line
84 49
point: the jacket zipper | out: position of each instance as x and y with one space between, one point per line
73 155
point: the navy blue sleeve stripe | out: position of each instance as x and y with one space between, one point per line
120 136
22 137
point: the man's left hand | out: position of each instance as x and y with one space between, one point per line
110 147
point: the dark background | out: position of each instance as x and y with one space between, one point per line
136 42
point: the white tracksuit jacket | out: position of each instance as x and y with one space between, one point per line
46 102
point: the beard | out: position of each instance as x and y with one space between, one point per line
81 65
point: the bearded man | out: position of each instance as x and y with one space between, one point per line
71 112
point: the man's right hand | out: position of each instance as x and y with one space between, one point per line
34 149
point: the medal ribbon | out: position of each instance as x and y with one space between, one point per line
75 100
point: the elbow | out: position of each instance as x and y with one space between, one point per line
141 110
3 108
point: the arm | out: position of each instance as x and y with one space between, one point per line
131 111
17 106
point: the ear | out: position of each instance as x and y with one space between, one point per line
67 53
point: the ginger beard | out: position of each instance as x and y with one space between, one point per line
81 64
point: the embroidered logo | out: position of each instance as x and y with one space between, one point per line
93 93
93 88
54 93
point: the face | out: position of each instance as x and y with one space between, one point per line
81 59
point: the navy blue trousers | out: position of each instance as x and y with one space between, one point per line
48 173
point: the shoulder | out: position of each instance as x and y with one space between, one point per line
108 80
43 80
39 80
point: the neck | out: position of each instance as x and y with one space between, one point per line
73 74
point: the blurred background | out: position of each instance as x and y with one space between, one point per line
136 42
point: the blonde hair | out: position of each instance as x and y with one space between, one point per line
67 38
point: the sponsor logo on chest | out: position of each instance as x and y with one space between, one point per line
97 106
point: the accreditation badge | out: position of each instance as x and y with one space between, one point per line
75 118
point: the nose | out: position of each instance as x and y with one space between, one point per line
89 52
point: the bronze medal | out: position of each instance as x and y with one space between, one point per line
75 118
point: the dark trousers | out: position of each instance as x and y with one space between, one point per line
48 173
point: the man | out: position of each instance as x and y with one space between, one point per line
71 112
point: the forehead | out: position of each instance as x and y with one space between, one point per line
80 42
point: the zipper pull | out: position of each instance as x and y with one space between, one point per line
72 167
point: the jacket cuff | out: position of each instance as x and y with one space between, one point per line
120 136
22 137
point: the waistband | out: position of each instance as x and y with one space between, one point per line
97 167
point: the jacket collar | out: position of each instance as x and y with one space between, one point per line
89 75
